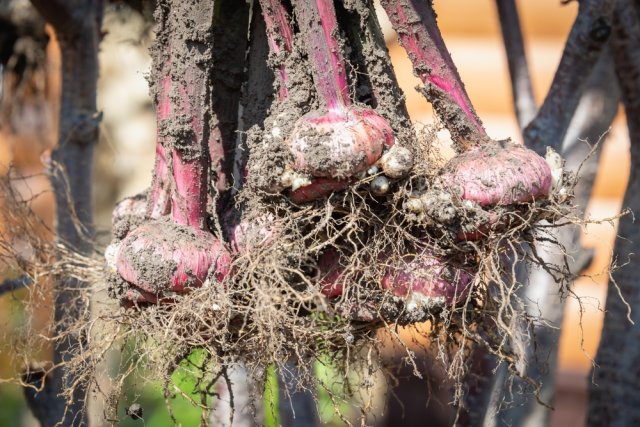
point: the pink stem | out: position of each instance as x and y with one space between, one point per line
325 53
158 200
189 198
415 23
164 101
185 209
280 38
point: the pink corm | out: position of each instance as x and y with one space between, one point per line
422 281
252 233
426 281
498 174
341 140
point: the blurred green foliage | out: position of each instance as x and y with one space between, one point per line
12 405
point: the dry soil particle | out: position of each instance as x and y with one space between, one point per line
268 159
321 157
125 224
257 93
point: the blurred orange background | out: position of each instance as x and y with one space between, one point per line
472 34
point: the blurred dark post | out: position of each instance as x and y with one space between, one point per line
77 24
614 397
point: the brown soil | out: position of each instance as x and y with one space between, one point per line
269 155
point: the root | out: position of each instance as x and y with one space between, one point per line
272 310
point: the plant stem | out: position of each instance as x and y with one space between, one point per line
230 27
280 38
183 104
588 36
317 21
201 122
158 200
415 23
258 91
522 91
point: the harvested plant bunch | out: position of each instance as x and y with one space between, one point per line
309 249
332 144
